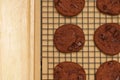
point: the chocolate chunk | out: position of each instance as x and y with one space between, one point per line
118 78
115 2
80 77
75 46
74 6
108 27
116 34
112 30
103 37
110 64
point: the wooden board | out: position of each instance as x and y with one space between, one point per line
17 40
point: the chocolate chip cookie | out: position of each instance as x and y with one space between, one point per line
69 71
69 38
111 7
107 38
69 7
109 71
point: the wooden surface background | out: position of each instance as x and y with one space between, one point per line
17 51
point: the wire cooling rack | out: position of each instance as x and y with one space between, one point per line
89 57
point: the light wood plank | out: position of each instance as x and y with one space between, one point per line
37 40
15 56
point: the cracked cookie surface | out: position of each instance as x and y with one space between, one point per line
69 7
69 38
107 38
108 71
111 7
69 71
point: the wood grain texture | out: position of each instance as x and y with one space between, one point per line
16 48
37 40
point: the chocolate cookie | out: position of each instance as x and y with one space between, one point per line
69 71
69 38
111 7
107 38
69 7
109 71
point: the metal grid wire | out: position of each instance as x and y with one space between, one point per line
89 57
